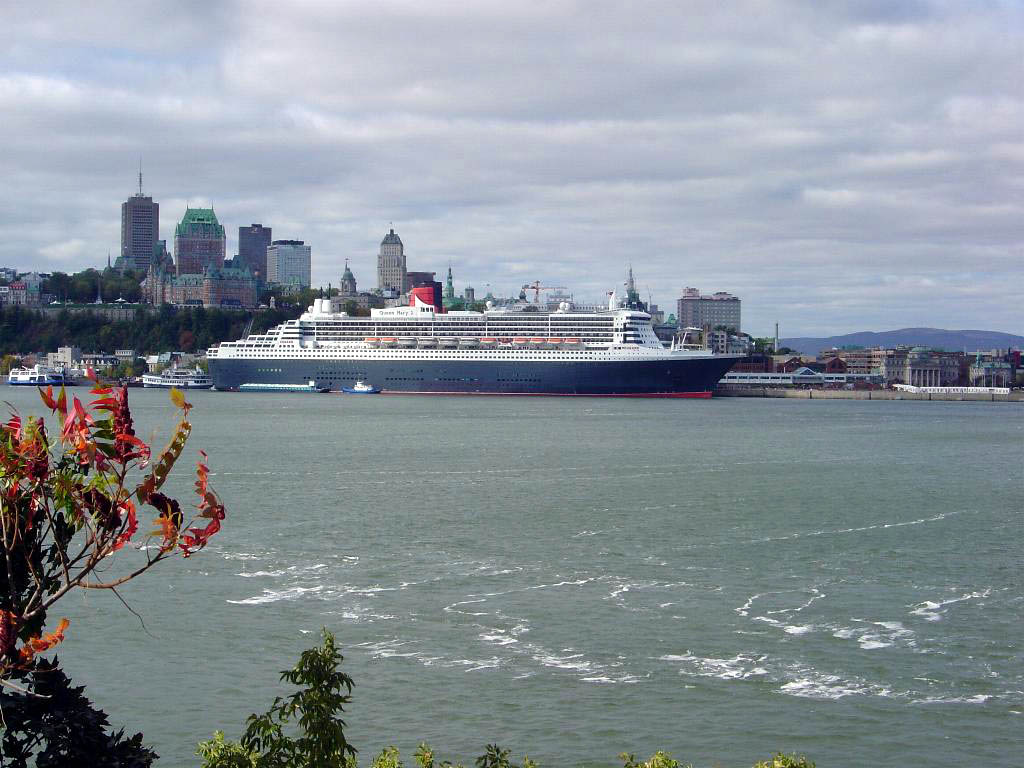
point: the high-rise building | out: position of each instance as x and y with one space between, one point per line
289 262
199 242
140 230
718 309
391 274
252 249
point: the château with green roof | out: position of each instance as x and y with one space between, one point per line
199 242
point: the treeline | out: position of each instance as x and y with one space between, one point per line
182 329
81 287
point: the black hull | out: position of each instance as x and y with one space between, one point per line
679 377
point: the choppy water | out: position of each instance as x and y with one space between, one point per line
575 578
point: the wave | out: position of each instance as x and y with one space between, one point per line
270 596
933 611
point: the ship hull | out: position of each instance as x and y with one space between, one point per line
667 377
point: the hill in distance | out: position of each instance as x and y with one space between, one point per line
937 338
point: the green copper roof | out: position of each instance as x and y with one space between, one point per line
198 220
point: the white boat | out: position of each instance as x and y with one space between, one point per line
310 387
37 376
181 378
361 388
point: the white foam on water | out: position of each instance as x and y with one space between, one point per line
980 698
497 637
573 661
872 642
270 596
824 687
740 667
799 629
453 607
260 573
843 634
932 610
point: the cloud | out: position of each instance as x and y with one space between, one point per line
790 153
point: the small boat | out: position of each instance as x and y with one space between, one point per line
407 342
181 378
310 387
361 388
569 340
538 341
37 376
520 341
372 341
469 341
427 341
554 341
388 341
449 342
488 341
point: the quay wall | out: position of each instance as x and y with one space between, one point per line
1016 396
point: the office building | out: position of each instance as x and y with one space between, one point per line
718 309
253 242
289 263
391 274
140 230
199 242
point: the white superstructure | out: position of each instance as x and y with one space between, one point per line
420 332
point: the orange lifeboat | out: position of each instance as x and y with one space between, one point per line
554 341
538 340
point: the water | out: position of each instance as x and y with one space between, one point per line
575 578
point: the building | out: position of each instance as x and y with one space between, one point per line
199 242
391 273
348 283
140 231
991 373
18 293
229 287
416 279
718 309
289 262
253 242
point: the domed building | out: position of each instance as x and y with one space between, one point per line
348 282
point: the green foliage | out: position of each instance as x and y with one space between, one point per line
388 758
183 329
658 760
785 761
315 708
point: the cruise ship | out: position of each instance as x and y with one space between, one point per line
516 350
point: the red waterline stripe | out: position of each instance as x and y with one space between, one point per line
688 395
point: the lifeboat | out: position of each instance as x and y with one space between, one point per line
520 341
572 342
408 341
488 340
427 341
448 341
538 341
388 341
373 341
469 341
554 341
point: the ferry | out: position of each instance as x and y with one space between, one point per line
515 350
181 378
38 376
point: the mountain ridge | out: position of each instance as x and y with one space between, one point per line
939 338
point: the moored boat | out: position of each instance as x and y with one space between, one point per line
38 376
180 378
361 388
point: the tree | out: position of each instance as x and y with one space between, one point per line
316 707
67 507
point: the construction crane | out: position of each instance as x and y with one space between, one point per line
536 287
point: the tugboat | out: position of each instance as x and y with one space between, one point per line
361 388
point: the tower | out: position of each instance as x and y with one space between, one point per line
449 286
348 282
391 272
199 242
140 229
252 248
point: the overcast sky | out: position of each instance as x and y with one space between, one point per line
839 166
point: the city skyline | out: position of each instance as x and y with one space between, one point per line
838 169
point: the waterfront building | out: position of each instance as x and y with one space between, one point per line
391 271
18 293
990 373
215 287
199 242
253 242
140 231
699 311
289 262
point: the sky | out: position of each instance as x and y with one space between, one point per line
840 166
